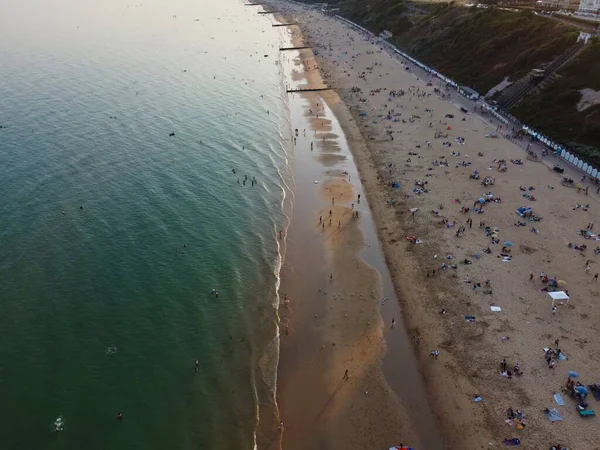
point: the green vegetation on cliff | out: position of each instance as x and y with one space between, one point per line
554 110
481 47
475 47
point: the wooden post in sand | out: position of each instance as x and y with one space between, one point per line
308 90
302 47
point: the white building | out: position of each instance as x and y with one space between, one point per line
590 6
562 4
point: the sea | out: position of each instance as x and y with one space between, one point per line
145 175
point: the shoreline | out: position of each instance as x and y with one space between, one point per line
392 409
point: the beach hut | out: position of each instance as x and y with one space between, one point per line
558 295
468 92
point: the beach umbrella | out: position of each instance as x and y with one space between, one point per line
508 244
562 282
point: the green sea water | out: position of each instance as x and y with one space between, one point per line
113 233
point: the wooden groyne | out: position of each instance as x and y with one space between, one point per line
308 90
268 12
283 49
283 24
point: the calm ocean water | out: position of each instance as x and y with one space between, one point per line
113 233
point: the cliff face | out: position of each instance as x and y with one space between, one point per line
476 47
555 110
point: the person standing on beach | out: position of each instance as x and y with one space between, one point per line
346 375
393 322
595 277
333 201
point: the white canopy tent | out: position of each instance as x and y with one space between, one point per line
558 295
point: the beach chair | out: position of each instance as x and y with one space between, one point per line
587 413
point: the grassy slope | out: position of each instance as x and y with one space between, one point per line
554 111
480 47
476 47
379 15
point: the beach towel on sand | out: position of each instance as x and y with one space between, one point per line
512 442
558 399
553 415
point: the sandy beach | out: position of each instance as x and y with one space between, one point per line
447 283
